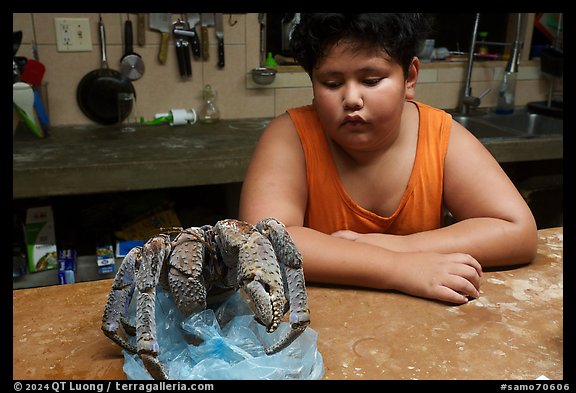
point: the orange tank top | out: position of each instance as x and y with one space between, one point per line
330 208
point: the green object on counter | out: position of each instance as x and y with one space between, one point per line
30 122
270 62
158 120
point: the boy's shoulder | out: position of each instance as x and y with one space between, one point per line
301 109
425 107
433 115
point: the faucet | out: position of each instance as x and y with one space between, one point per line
468 100
507 88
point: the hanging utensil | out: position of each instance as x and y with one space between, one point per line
219 30
161 22
97 92
141 29
131 64
206 20
182 48
262 22
16 41
193 20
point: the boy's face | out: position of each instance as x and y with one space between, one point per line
359 94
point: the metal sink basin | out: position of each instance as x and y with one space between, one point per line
482 129
528 123
521 123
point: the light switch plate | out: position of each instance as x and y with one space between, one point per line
73 34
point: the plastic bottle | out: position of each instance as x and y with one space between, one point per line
507 88
270 61
210 112
506 93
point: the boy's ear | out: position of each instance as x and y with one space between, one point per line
412 78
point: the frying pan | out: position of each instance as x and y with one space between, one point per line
97 92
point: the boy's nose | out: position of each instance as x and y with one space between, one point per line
352 98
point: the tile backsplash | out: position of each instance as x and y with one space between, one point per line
161 88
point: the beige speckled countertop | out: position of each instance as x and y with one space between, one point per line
513 331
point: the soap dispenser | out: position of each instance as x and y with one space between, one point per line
507 88
209 112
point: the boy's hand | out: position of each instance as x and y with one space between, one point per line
453 277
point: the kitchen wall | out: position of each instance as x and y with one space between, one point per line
161 88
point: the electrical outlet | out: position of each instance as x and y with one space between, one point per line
73 34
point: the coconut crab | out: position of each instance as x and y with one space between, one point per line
201 265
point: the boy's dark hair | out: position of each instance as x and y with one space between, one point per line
400 35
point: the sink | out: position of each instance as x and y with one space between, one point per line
482 129
529 123
521 123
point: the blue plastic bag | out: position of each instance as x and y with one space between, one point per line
233 351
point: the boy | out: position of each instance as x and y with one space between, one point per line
361 177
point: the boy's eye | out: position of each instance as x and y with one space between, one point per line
332 84
366 82
372 81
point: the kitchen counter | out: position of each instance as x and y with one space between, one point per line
94 159
513 331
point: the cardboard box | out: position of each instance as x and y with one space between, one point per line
40 239
105 259
67 266
149 226
123 247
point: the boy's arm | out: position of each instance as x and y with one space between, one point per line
494 224
450 277
275 186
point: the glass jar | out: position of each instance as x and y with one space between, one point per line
209 112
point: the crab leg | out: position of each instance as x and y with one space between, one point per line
290 261
119 299
147 277
186 265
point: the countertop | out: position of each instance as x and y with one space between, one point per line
514 330
91 159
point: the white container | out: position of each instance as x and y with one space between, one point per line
40 239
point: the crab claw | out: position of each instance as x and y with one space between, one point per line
290 262
299 314
259 275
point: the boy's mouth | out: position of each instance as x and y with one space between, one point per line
353 120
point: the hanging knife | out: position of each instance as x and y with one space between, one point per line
262 22
161 23
206 20
193 20
219 29
141 29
